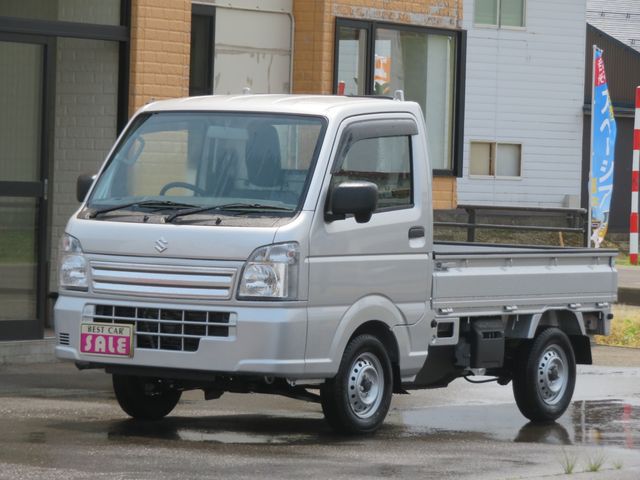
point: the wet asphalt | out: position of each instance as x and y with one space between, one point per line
59 423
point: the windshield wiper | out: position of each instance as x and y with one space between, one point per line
226 206
157 204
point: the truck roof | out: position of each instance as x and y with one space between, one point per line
323 105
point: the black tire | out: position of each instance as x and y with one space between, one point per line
365 367
544 376
144 398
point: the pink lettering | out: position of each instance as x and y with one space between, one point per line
87 343
122 346
100 345
97 343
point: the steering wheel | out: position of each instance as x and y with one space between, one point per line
189 186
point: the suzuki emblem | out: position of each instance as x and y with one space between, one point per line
161 245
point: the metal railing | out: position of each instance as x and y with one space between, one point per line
575 220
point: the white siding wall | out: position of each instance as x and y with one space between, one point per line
527 86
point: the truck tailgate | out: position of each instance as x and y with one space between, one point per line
493 279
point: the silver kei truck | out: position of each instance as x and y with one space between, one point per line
284 244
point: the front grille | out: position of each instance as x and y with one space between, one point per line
167 329
63 339
162 280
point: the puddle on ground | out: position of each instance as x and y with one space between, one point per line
228 429
604 423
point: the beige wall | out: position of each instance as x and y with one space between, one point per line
160 46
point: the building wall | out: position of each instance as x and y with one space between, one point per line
526 86
314 46
160 47
85 124
86 95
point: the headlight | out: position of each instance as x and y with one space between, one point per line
271 273
73 265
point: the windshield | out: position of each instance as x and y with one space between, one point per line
200 160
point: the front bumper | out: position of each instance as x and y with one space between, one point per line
267 339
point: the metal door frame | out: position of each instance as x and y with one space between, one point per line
34 328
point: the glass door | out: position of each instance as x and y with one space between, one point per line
23 171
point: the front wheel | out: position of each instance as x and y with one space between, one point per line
145 398
544 376
357 399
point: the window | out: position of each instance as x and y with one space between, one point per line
244 47
352 51
385 161
201 61
501 13
213 158
98 12
379 58
495 159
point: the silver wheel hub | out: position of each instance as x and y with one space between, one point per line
365 386
552 376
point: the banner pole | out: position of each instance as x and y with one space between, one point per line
593 107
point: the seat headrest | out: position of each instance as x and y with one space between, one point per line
263 156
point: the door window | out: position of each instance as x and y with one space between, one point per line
385 161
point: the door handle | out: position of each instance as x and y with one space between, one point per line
416 232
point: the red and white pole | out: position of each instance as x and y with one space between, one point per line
635 181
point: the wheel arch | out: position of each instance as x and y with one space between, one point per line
375 315
527 327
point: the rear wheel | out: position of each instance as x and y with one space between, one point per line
357 399
145 398
545 376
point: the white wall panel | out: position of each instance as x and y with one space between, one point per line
526 86
252 49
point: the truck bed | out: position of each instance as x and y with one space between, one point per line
479 279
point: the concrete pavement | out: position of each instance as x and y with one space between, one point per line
60 423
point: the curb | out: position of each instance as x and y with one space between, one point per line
23 352
629 296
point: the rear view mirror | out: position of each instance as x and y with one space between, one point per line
83 185
353 198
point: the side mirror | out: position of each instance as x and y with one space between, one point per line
356 198
83 185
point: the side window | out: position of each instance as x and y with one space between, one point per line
385 161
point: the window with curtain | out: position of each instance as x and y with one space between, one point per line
352 51
500 13
422 62
491 159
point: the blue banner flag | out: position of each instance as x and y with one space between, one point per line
603 145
